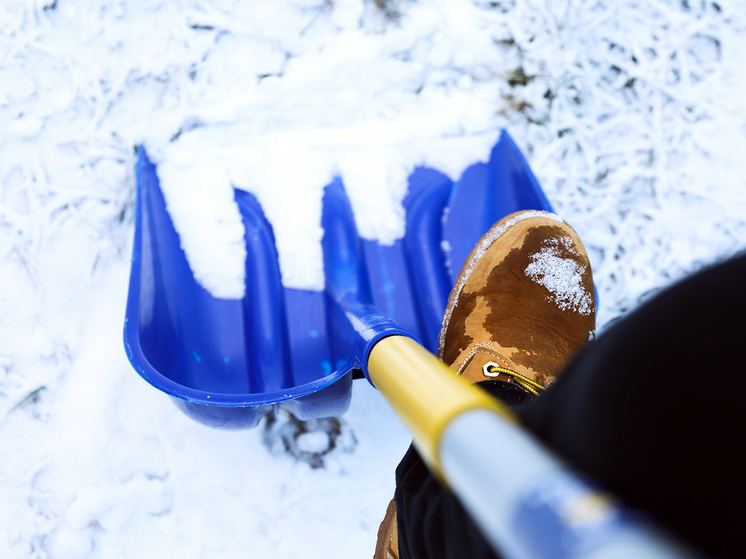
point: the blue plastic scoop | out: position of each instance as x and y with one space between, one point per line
228 362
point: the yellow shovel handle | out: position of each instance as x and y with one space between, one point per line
425 393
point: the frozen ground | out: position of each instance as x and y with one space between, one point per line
631 114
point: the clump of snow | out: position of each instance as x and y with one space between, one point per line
562 276
315 442
216 249
306 441
360 103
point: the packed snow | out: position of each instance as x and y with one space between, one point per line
630 113
353 96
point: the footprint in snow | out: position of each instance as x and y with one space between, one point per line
307 441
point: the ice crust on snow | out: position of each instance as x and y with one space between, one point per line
561 276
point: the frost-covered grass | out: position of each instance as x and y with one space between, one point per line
631 115
635 123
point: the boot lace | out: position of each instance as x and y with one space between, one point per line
493 370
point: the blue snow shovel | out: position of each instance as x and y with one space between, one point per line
226 363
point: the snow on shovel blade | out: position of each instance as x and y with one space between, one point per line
228 362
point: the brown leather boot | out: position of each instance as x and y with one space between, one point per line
387 544
522 305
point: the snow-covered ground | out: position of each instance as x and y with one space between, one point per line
631 114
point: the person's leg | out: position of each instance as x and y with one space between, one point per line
654 409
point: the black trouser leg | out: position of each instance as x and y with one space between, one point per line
653 410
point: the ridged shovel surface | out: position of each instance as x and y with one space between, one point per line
227 362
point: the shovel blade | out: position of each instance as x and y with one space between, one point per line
226 363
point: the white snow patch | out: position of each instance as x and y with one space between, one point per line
561 276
